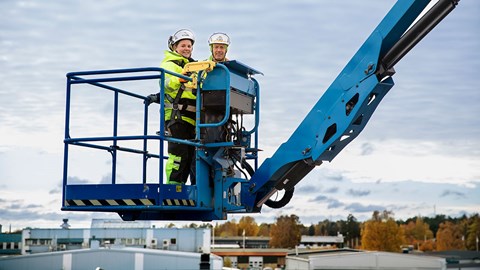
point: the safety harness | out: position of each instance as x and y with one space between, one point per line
174 103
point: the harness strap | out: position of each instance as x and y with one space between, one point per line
181 107
174 102
176 111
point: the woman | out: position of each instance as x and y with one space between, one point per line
179 108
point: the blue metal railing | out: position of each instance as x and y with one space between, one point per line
83 77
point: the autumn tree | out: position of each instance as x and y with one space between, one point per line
264 229
416 233
249 225
227 262
285 232
229 228
381 233
449 237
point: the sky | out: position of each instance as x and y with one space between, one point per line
419 155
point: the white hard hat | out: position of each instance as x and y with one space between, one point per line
180 35
219 38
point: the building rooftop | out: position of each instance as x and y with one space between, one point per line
118 223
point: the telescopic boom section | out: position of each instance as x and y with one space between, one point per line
345 108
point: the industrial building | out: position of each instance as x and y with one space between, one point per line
108 244
346 259
111 258
107 233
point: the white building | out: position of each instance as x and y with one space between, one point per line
106 233
347 260
316 241
110 258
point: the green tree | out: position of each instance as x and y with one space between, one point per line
350 229
285 233
434 223
326 227
311 230
473 232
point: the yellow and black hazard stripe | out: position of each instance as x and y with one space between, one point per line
178 202
112 202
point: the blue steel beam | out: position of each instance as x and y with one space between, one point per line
342 112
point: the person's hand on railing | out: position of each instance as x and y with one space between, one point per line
182 80
152 98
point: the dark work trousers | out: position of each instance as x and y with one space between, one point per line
186 153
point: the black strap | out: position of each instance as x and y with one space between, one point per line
181 63
176 115
178 62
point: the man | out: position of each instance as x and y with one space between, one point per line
219 43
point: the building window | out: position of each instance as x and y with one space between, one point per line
242 259
38 242
173 241
270 259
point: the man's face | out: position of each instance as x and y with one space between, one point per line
219 51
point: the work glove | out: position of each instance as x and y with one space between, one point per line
152 98
182 80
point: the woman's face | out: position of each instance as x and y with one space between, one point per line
184 48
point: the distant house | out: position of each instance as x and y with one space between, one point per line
253 258
254 252
240 242
316 241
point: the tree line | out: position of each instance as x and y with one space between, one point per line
381 232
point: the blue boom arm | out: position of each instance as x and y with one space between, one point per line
347 105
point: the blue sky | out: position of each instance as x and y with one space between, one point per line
418 155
